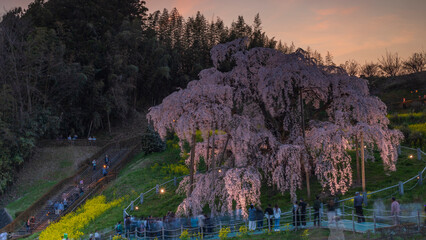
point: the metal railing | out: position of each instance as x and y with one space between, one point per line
347 222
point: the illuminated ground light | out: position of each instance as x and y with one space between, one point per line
411 156
136 208
162 190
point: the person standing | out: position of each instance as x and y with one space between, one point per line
252 218
302 206
94 164
317 207
61 208
97 235
395 210
127 223
331 214
296 220
259 217
277 216
358 201
104 171
107 162
269 214
119 228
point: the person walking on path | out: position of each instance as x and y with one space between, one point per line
97 235
317 207
395 210
107 162
94 164
104 171
277 216
119 228
302 206
252 218
269 214
358 201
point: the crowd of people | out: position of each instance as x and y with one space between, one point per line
271 216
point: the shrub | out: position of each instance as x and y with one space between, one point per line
151 141
223 233
185 235
73 223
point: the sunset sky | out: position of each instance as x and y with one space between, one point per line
361 30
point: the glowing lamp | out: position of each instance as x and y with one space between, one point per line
104 166
136 208
162 190
411 156
220 170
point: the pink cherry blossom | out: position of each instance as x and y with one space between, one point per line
248 109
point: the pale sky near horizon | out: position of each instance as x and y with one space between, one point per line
362 30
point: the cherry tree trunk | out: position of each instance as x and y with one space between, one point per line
358 177
191 169
362 163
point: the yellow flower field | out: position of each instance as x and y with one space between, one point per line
73 223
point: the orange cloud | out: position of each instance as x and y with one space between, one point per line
335 12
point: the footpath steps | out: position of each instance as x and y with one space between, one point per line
4 218
46 214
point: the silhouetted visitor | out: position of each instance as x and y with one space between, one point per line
277 216
252 218
269 214
317 207
395 210
302 206
358 201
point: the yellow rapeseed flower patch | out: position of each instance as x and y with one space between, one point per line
73 223
420 127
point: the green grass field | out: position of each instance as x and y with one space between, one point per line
144 172
47 167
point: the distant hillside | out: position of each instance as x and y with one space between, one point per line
392 91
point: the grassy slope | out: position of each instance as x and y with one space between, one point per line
47 167
143 173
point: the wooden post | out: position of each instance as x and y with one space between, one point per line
269 222
401 188
353 222
358 170
141 197
343 208
362 163
399 150
419 154
162 232
418 221
420 178
191 164
374 219
310 214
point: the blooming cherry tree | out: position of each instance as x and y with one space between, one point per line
268 116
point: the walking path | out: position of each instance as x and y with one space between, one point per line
71 192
